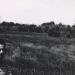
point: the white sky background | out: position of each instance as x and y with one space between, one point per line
38 11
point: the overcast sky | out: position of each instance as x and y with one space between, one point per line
38 11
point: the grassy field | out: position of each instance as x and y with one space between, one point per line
39 55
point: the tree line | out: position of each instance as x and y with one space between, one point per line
54 30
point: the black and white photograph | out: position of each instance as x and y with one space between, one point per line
37 37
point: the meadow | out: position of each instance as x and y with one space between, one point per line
38 55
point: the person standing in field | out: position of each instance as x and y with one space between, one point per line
2 50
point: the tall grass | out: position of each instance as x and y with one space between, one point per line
40 56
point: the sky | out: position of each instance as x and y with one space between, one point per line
37 11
